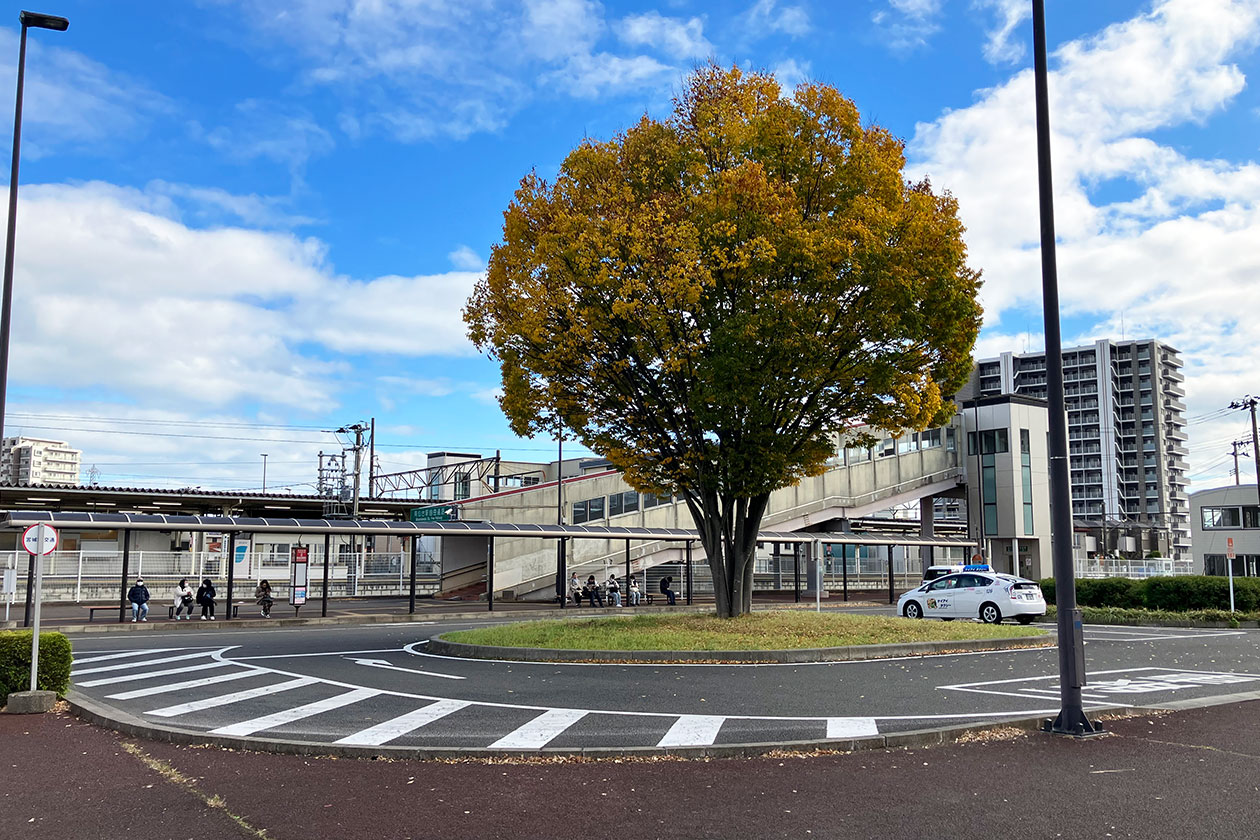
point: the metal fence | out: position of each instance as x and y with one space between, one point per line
97 575
1106 567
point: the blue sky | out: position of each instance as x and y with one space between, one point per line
244 222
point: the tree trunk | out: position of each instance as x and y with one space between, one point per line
728 529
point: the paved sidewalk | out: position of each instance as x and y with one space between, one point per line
68 616
1191 774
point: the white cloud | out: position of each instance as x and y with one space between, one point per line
907 24
791 73
466 259
673 36
767 17
1178 259
113 291
71 100
269 131
1008 14
442 68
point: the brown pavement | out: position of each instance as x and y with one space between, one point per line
1191 774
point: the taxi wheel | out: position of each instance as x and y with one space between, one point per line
913 610
990 614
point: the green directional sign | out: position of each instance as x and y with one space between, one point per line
437 513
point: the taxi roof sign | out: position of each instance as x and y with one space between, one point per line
977 567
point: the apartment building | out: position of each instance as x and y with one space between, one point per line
27 460
1126 437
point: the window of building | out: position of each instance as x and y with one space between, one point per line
579 513
1025 461
463 485
930 438
988 490
595 508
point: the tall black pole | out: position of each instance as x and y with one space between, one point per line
562 593
796 572
6 307
1071 719
689 573
1255 441
323 607
490 575
415 544
227 612
122 598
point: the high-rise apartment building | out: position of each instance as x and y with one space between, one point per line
25 460
1126 434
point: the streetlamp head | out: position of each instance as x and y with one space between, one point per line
41 21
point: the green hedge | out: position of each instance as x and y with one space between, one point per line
15 662
1179 593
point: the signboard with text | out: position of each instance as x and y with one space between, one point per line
298 575
437 513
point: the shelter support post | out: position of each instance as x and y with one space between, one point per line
892 599
231 561
490 574
689 573
122 595
323 606
411 595
796 571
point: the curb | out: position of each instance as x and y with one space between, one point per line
128 725
401 618
849 653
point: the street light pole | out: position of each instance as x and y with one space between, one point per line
1071 719
59 24
28 20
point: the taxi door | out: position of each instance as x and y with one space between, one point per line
938 601
972 591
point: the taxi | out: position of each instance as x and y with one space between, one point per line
975 592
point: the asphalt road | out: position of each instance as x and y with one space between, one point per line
377 686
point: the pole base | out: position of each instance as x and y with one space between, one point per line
31 702
1074 723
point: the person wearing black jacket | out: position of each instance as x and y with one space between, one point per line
138 595
666 590
205 597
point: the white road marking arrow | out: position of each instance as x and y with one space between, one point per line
381 663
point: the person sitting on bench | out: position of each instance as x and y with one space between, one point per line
593 591
666 590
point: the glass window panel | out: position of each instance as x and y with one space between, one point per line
579 513
595 508
630 501
614 504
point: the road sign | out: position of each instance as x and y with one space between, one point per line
40 539
1229 548
437 513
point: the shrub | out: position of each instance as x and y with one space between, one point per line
1047 590
15 661
1109 592
1200 592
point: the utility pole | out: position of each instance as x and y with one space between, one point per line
372 461
357 429
1249 402
1235 445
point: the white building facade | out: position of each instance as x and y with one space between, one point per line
27 460
1126 435
1226 519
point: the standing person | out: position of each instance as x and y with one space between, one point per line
634 592
183 599
614 591
262 596
592 591
575 589
666 590
138 595
205 597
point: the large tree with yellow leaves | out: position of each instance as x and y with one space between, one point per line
705 301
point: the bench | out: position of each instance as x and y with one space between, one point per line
170 610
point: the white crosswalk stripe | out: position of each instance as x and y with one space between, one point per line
124 655
147 675
227 699
851 727
387 731
140 664
692 731
540 731
249 727
187 684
